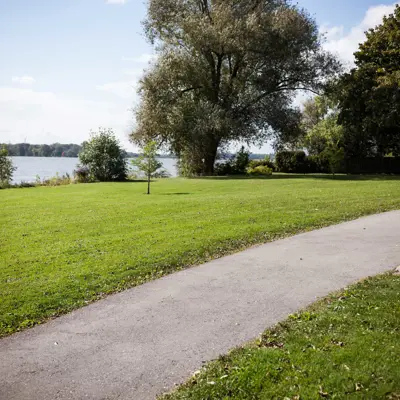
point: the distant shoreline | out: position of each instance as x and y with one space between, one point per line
130 155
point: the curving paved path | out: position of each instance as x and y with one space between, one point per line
136 344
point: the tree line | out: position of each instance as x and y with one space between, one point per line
228 71
42 150
56 150
357 116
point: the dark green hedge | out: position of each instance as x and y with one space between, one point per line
298 162
373 165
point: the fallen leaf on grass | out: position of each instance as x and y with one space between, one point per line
322 393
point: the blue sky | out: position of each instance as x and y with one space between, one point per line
68 66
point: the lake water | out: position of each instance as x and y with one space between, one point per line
46 167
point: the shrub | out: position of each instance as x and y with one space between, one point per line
103 155
82 174
373 165
241 160
235 166
162 173
317 164
260 170
6 168
57 180
291 161
224 168
265 163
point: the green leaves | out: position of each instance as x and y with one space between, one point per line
226 71
6 168
370 94
147 162
103 156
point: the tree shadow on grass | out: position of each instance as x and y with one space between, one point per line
282 176
175 194
132 181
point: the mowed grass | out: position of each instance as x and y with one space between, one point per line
62 247
346 346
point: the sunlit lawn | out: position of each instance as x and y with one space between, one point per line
65 246
344 347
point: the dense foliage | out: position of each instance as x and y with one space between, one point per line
291 161
226 71
43 150
329 161
104 157
265 162
369 96
6 168
82 174
260 170
236 165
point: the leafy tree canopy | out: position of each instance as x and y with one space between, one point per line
227 70
320 124
369 96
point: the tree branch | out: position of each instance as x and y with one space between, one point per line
277 90
189 89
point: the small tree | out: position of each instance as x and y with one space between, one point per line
6 167
147 162
104 157
335 156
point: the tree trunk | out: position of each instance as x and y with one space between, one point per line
148 183
209 158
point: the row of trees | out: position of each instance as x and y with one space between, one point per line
228 71
42 150
358 115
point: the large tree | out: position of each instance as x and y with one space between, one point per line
369 95
227 70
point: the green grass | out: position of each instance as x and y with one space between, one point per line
62 247
346 346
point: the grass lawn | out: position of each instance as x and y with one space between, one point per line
62 247
346 346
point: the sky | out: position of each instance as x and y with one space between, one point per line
71 66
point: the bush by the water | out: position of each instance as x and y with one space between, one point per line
235 166
6 168
104 157
82 174
57 180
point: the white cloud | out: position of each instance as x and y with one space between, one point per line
344 44
23 80
124 89
144 58
45 117
116 1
